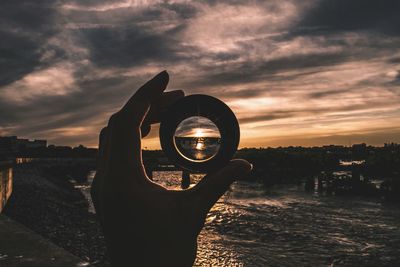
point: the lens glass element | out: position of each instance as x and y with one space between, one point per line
197 138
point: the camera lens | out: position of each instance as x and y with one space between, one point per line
197 138
199 133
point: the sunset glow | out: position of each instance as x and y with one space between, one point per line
199 133
292 71
199 145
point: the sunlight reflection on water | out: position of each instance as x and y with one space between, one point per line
283 226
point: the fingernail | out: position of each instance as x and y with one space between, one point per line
164 75
161 78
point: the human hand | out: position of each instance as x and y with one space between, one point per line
144 223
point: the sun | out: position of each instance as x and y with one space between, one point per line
200 146
198 132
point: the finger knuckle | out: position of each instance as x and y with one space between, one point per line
114 120
103 133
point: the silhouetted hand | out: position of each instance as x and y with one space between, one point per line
144 223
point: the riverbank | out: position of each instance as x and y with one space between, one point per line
21 246
252 225
49 205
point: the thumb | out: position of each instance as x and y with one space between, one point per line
214 185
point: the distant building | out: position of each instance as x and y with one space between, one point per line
26 143
8 144
359 150
12 144
192 142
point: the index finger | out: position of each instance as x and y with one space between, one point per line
125 147
137 106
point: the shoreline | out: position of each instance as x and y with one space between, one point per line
250 226
51 206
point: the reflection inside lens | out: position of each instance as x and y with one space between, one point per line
197 138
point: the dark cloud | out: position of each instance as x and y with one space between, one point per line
245 72
355 15
91 105
25 26
28 15
319 111
395 82
273 115
395 60
125 37
326 93
19 56
129 46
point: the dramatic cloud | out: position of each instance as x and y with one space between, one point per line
25 30
355 15
295 72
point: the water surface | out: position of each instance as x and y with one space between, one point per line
284 226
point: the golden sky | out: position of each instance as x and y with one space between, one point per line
308 73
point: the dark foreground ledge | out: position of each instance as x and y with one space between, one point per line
21 247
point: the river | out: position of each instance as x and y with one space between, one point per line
285 226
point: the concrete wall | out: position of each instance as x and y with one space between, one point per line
6 178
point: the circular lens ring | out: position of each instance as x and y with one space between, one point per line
211 108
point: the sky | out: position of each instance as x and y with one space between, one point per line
310 72
197 126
